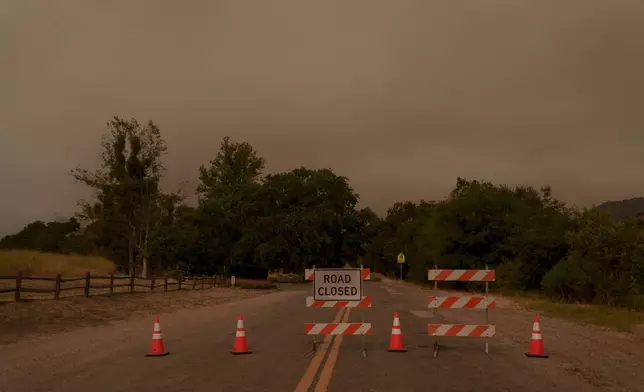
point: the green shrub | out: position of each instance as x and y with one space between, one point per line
509 276
569 282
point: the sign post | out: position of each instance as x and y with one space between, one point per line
401 261
315 342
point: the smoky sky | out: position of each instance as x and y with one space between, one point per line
400 96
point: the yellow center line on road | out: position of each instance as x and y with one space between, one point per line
327 370
312 369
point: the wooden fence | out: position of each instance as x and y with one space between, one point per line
130 283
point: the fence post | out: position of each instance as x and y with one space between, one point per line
165 283
212 282
194 283
87 278
152 281
57 288
18 285
180 279
203 281
111 283
131 283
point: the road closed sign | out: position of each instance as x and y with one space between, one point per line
342 284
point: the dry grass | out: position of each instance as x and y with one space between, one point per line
285 278
616 318
50 264
21 319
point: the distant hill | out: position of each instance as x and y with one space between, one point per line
623 208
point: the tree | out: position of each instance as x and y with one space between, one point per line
605 263
176 243
224 191
235 166
302 219
520 231
126 187
45 237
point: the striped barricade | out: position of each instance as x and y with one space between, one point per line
308 274
329 281
364 303
462 302
462 330
338 328
461 275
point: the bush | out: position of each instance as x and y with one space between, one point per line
509 276
568 281
285 278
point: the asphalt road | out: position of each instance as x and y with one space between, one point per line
111 357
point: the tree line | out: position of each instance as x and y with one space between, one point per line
290 221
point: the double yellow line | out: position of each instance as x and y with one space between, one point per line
327 370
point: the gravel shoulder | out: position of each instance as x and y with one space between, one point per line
21 320
598 358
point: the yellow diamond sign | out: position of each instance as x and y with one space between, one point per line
401 258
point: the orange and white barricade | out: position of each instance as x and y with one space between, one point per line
364 303
337 328
462 302
308 273
330 283
463 330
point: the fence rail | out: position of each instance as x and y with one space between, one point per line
162 283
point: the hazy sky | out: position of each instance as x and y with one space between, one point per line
400 96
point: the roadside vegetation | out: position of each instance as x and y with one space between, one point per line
296 219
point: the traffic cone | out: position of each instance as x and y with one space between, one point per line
536 341
396 340
241 347
156 348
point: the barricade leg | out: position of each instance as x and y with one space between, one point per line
314 343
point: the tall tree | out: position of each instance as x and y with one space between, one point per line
126 189
305 218
235 166
224 190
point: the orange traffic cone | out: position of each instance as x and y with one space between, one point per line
536 341
240 339
156 348
396 340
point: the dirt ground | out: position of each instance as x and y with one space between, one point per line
46 316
